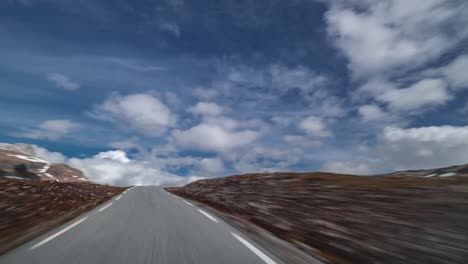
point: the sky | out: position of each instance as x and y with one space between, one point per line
170 91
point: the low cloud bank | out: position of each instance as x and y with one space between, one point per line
115 168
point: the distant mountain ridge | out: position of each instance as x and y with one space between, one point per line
20 161
456 170
19 147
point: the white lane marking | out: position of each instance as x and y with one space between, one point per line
118 197
105 207
58 233
188 203
255 250
208 215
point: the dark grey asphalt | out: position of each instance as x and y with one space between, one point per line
146 225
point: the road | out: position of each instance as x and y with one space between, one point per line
143 225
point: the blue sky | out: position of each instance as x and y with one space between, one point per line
165 92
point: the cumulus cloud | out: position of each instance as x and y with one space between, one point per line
274 85
63 81
283 78
123 172
54 157
456 72
302 141
315 127
214 137
115 168
142 112
204 93
117 155
371 112
347 167
379 36
426 146
427 92
206 108
126 144
49 129
409 148
210 167
265 158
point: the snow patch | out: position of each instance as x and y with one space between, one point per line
15 177
448 174
32 159
49 175
431 175
46 167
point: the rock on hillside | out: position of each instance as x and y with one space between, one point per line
19 160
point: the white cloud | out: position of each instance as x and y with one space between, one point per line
301 141
426 147
380 36
143 112
347 167
372 113
206 108
373 87
204 94
314 126
50 129
194 178
54 157
63 81
214 137
118 172
210 167
263 158
456 72
117 155
115 168
170 27
126 144
424 93
409 148
283 78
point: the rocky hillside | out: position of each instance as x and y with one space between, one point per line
350 219
19 160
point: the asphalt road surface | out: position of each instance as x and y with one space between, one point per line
143 225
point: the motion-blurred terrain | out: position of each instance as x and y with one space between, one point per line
405 217
36 195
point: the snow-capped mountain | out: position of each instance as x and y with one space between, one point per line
19 160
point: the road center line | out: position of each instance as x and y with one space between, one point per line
118 197
208 215
188 203
255 250
58 233
105 207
